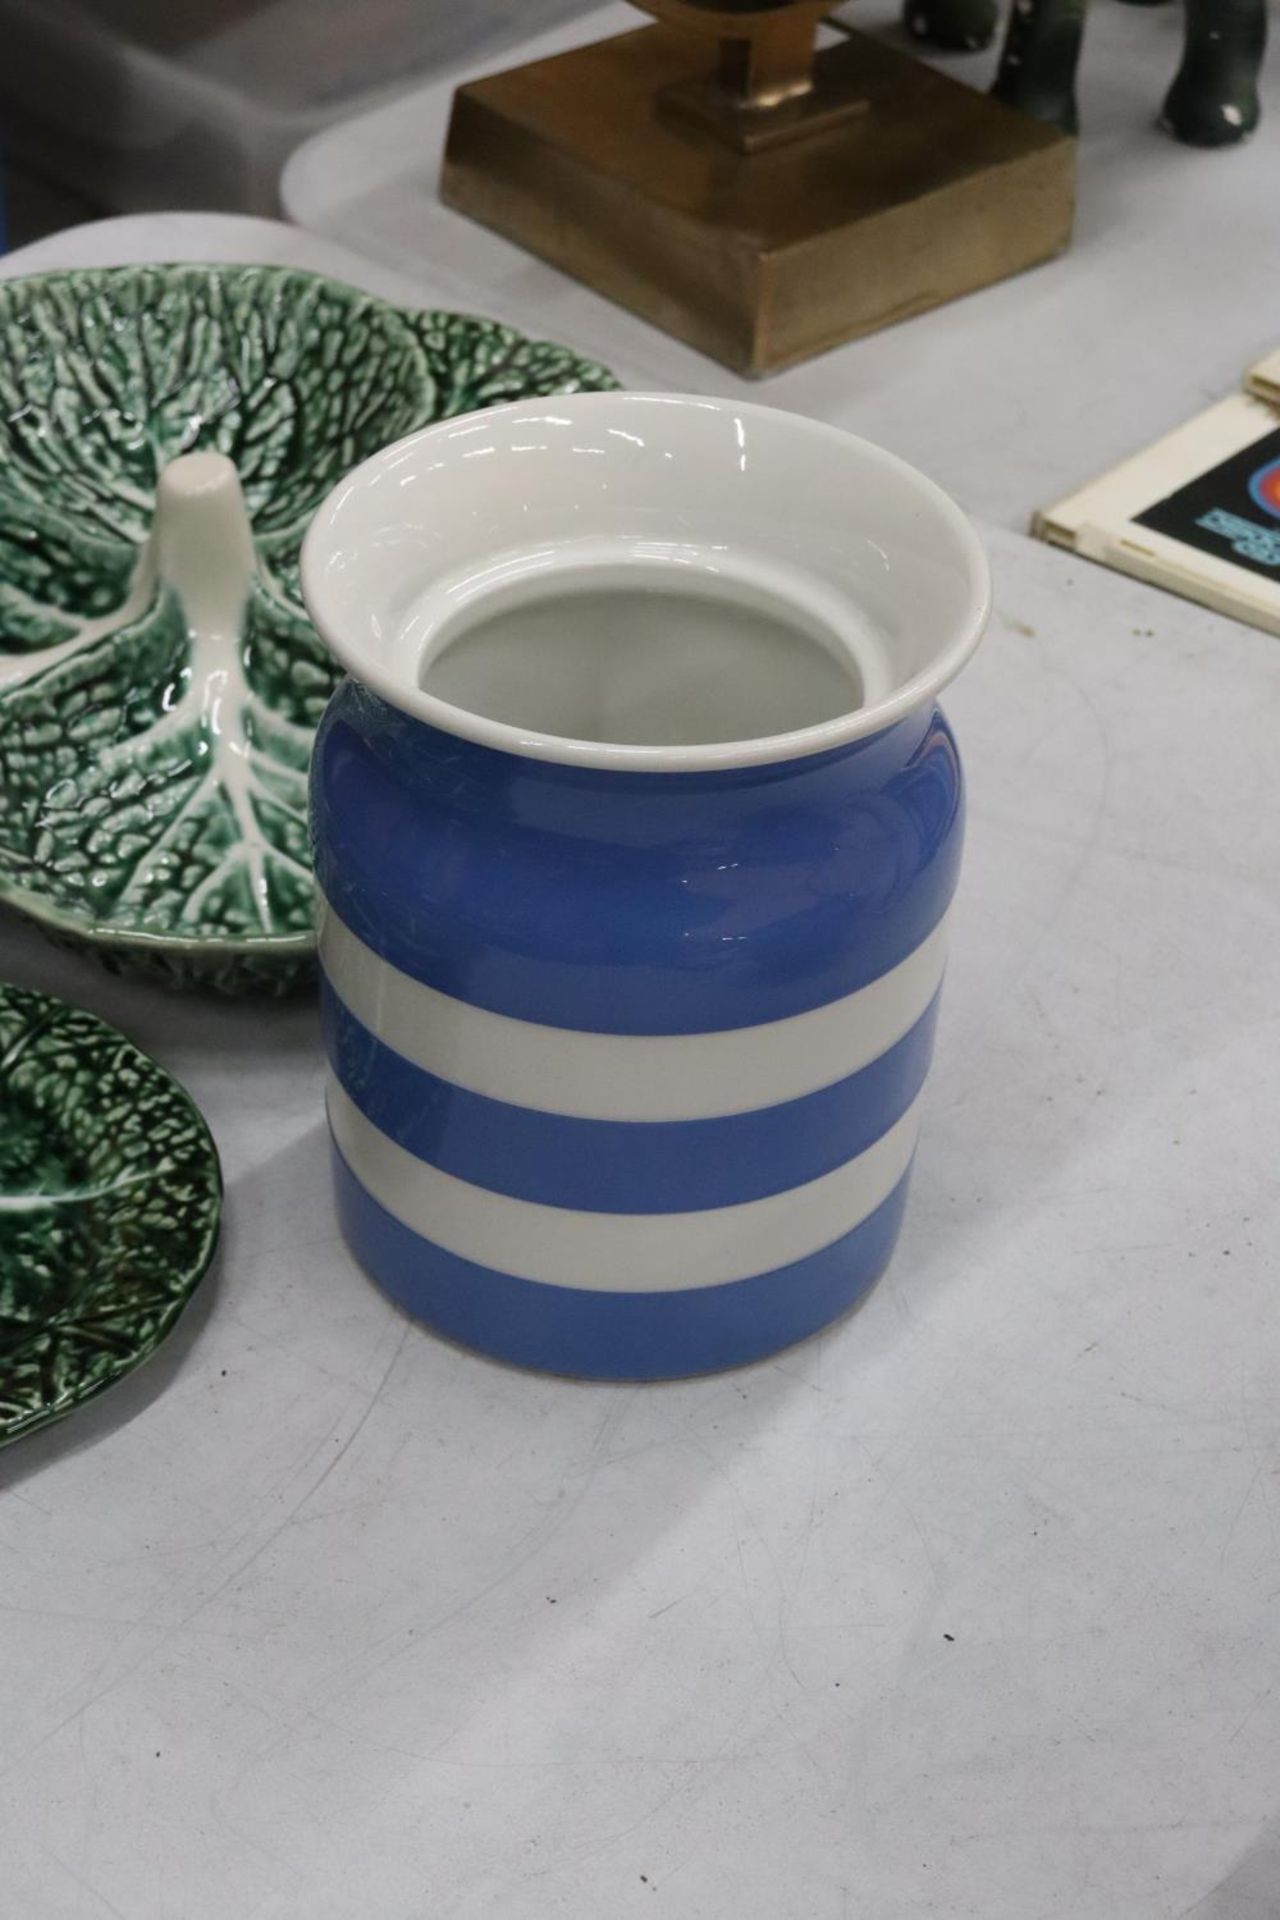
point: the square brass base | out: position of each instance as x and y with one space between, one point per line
766 258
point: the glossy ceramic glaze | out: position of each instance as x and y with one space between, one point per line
110 1198
165 435
629 1029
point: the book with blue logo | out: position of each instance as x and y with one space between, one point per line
1198 512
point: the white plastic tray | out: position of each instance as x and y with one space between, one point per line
198 103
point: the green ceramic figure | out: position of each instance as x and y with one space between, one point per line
1037 70
962 26
1213 102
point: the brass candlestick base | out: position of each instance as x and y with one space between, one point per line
910 191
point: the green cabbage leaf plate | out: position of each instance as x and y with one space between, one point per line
153 759
110 1201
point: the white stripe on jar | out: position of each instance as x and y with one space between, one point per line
619 1252
611 1076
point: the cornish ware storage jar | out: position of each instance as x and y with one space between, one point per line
636 827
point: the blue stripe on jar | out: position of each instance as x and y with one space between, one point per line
614 1336
610 1166
634 903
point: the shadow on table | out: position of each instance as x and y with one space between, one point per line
85 1425
172 1023
1251 1891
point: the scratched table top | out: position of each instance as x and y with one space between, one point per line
966 1608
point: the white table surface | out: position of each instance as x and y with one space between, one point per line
965 1610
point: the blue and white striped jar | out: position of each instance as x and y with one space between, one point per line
636 828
